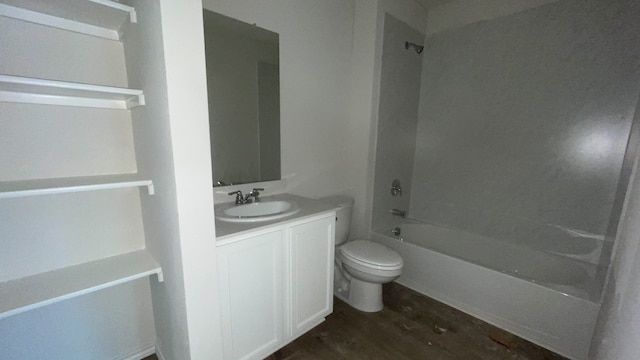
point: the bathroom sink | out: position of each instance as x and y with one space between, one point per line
258 211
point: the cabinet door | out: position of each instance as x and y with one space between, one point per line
251 289
311 247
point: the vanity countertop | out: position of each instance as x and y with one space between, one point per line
308 208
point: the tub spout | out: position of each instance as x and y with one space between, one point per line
396 212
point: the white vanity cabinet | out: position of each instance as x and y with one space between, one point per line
310 276
251 272
276 283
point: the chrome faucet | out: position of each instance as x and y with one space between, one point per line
239 198
252 196
254 193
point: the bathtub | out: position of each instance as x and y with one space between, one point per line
544 298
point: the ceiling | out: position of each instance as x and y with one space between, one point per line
432 3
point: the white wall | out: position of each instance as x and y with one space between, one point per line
363 111
101 146
315 68
73 145
172 148
45 233
114 323
189 120
408 11
94 60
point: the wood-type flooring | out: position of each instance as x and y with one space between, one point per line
411 327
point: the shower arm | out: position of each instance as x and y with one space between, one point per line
418 48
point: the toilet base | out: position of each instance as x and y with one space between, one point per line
340 285
361 295
365 296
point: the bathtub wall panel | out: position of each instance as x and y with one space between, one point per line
397 119
523 124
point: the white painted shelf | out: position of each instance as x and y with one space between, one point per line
12 189
101 18
39 290
52 92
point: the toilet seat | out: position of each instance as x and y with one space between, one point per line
371 255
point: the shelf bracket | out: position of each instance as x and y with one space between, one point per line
134 101
151 190
133 17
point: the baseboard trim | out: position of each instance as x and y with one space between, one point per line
140 353
159 354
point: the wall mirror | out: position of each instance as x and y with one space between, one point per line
243 83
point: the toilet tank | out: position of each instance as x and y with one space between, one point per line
343 215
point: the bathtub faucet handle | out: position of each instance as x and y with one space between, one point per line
396 188
396 212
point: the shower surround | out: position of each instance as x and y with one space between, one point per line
515 134
524 122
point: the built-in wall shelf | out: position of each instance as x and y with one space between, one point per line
38 290
13 189
52 92
101 18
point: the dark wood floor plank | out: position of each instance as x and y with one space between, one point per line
354 337
403 337
411 326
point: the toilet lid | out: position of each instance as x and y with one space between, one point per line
372 253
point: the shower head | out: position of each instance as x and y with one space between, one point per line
417 47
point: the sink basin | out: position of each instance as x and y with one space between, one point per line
258 211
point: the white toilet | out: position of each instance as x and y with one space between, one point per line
362 266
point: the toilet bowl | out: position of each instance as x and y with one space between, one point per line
370 265
362 266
